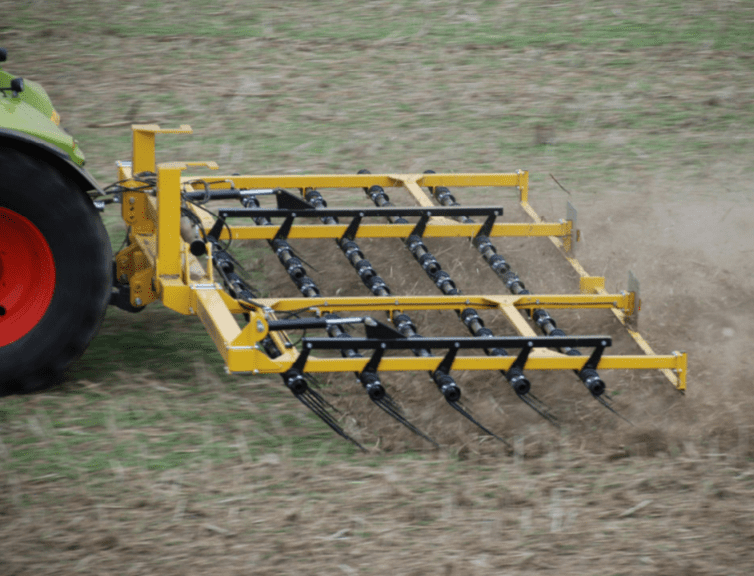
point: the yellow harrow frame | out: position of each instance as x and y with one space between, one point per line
160 264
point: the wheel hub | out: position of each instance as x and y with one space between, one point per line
27 276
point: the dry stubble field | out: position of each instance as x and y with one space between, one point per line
150 461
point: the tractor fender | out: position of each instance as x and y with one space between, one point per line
52 155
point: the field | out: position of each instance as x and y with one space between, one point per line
150 460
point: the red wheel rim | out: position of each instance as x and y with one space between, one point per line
27 276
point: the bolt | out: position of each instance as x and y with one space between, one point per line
137 301
132 200
260 326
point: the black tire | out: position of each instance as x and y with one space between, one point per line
82 256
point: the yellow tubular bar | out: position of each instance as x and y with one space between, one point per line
397 303
158 265
256 361
358 181
436 228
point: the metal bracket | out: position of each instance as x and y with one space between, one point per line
285 227
572 216
303 356
374 362
288 201
421 225
376 330
217 227
594 358
489 222
632 318
447 361
523 356
353 227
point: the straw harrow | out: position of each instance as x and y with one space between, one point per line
178 253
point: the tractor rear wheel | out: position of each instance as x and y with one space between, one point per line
55 272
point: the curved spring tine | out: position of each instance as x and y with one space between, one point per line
458 407
606 404
390 407
321 402
317 383
315 403
539 407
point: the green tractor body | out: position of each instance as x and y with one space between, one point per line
55 256
31 112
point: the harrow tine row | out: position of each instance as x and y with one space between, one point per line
502 270
299 385
369 379
446 384
316 403
445 283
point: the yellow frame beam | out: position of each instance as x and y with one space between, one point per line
159 265
437 227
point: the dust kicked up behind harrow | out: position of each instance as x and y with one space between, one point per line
178 253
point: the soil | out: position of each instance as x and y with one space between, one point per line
670 494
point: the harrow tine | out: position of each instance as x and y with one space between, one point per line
607 405
539 407
316 384
389 405
323 403
314 402
460 409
